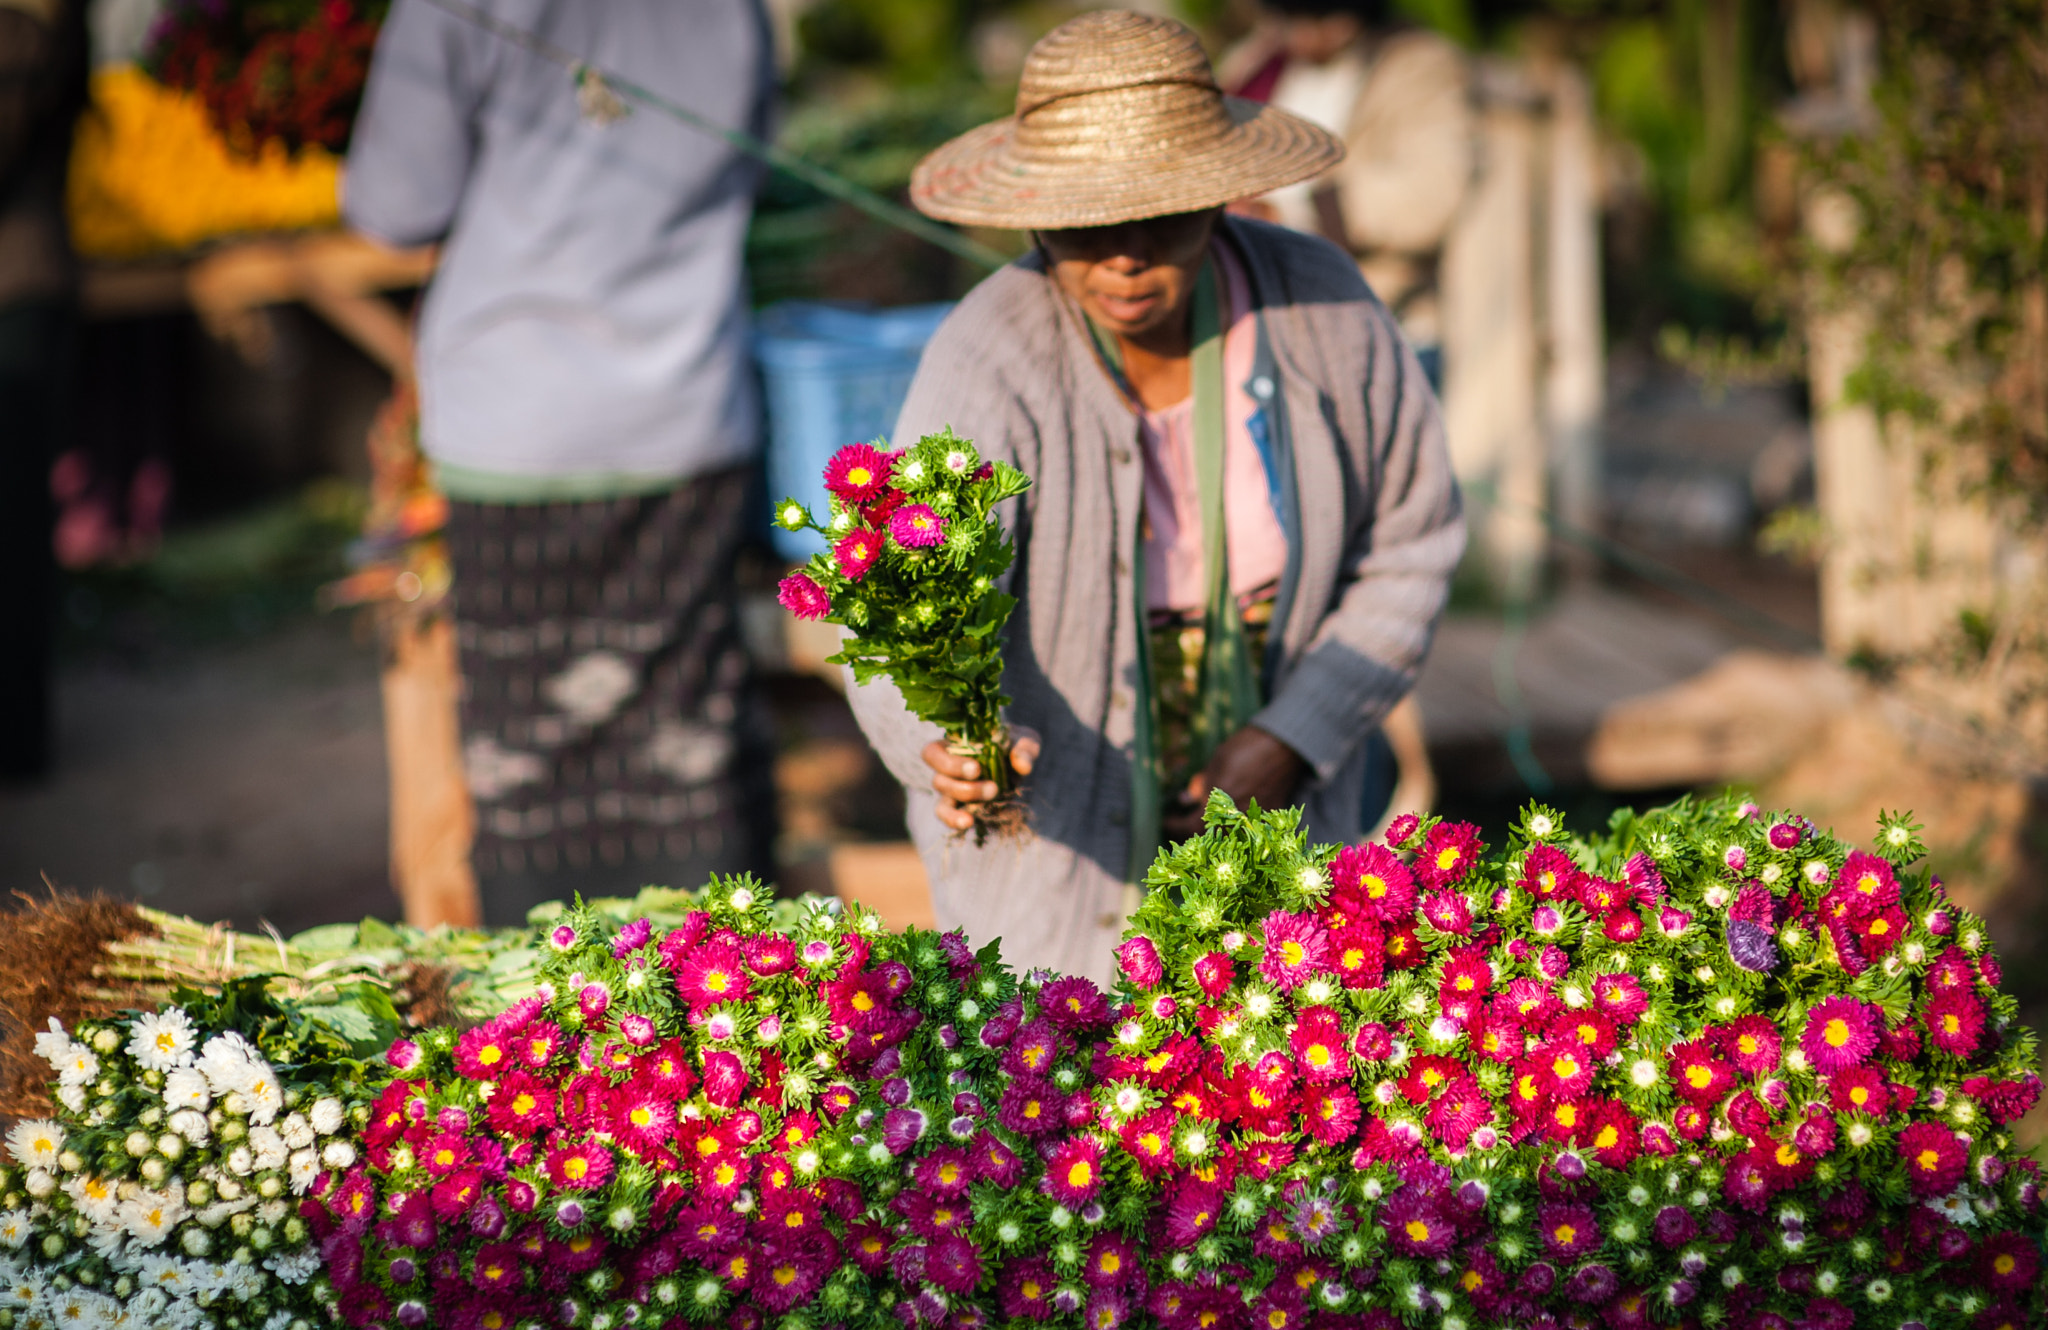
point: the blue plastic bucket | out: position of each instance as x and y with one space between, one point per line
834 375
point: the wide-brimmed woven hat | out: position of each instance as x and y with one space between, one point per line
1118 118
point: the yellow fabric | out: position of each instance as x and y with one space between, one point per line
149 173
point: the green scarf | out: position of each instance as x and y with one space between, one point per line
1229 690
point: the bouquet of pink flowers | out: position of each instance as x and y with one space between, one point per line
916 556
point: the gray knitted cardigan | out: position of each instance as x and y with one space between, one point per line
1355 452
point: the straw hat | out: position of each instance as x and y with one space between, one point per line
1118 118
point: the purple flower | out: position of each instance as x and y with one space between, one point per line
1641 873
563 937
632 937
569 1214
896 1092
412 1312
403 1271
1786 835
953 1264
917 527
1673 922
902 1128
1674 1226
1592 1282
1751 948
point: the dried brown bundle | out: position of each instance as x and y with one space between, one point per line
50 950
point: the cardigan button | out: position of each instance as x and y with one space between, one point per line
1262 387
1120 698
1121 456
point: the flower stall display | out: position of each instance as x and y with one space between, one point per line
913 571
166 1190
1713 1068
150 173
288 72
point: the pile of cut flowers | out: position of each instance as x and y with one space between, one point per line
1711 1068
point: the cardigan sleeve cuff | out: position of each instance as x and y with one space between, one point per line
1328 705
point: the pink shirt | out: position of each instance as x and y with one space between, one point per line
1175 576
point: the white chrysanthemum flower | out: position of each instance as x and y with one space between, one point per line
329 1117
225 1061
54 1045
241 1161
162 1040
338 1154
72 1097
36 1143
166 1274
81 1066
186 1088
78 1309
192 1125
295 1131
21 1293
150 1217
94 1197
302 1170
269 1147
1643 1073
41 1183
15 1229
296 1268
261 1092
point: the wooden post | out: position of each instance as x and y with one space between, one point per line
1491 412
432 818
1575 375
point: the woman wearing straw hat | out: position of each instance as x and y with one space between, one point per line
1243 523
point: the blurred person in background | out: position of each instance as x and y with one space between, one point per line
589 405
43 67
1400 100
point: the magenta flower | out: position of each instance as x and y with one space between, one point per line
1214 974
1415 1225
403 1055
803 597
1448 853
1073 1173
769 954
725 1078
1072 1003
1371 882
996 1162
1296 949
593 1002
1955 1022
917 527
1750 1042
638 1030
858 472
856 552
1372 1043
1402 829
580 1166
1840 1032
1026 1289
482 1054
1935 1158
711 974
1786 835
1139 959
953 1264
1868 882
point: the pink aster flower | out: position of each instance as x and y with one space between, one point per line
1955 1022
803 597
579 1166
857 473
1330 1112
1191 1212
1621 996
1448 853
917 527
1296 949
1138 958
1371 882
637 1029
1699 1077
1549 874
1073 1172
1448 912
1214 973
856 552
1750 1042
1318 1043
483 1054
1869 880
403 1055
1840 1032
1372 1043
712 974
1935 1158
1415 1224
725 1078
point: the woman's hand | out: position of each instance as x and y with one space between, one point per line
959 782
1250 764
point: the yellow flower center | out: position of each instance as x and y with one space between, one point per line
1291 952
1417 1230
